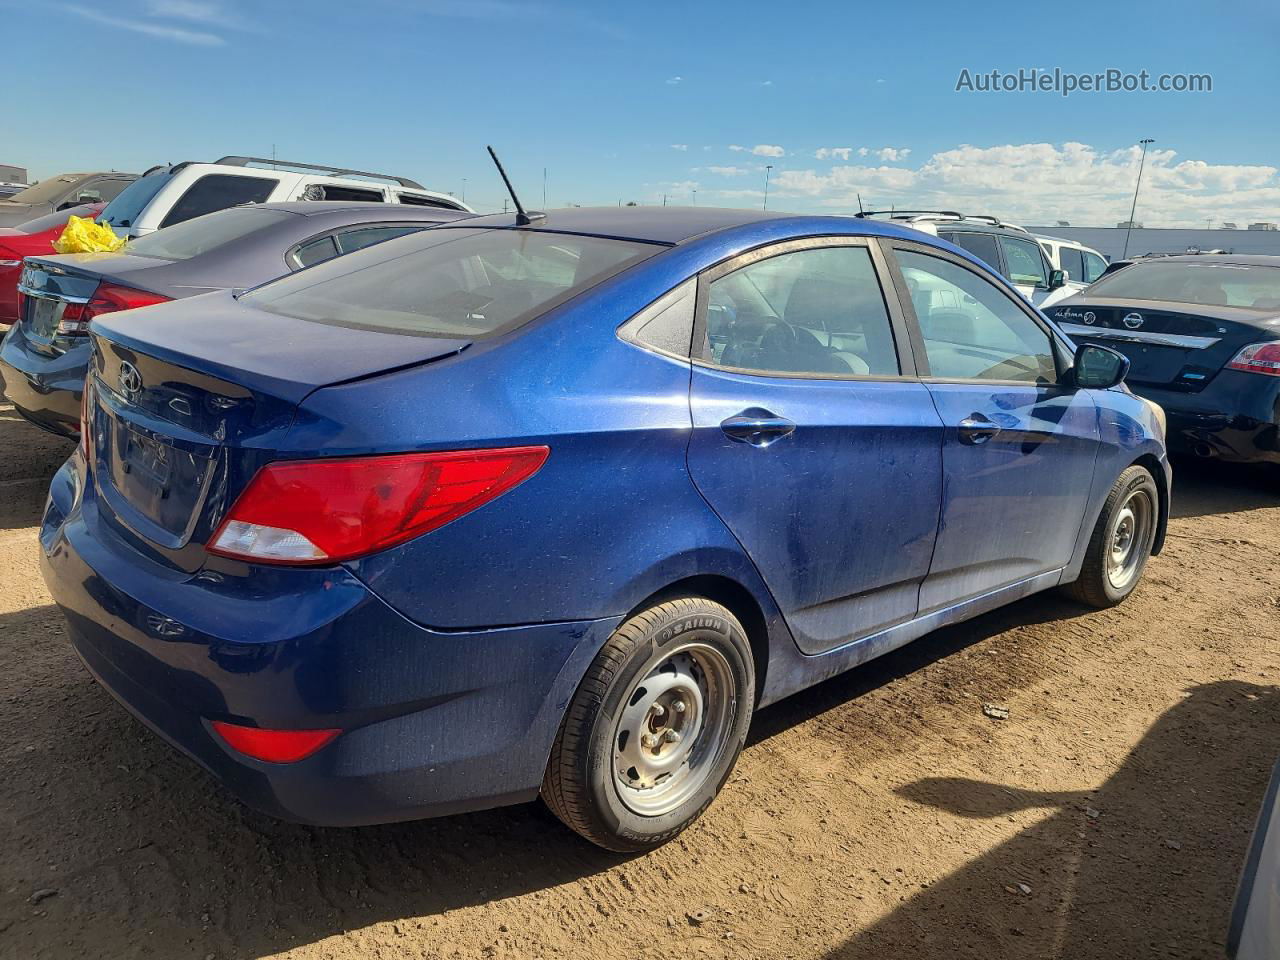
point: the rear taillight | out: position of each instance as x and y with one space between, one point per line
1258 358
273 746
326 511
108 298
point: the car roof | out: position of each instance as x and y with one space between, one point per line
407 211
669 225
1239 260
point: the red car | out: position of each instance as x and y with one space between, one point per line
30 239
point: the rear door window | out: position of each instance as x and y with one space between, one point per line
1071 260
981 245
815 311
218 191
1025 261
336 191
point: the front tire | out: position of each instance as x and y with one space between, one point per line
1121 543
655 727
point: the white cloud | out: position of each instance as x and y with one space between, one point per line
680 146
767 150
822 153
728 171
736 148
672 81
766 83
198 11
1044 182
198 38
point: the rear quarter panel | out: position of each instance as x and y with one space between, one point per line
612 516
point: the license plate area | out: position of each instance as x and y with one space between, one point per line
150 461
42 316
155 484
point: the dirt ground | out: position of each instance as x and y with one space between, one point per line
879 815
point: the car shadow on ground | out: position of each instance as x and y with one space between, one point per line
1170 826
1204 487
191 850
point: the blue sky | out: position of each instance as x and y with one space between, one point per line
634 101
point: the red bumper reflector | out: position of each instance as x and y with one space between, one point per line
273 746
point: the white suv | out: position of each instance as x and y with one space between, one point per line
167 195
1008 249
1082 264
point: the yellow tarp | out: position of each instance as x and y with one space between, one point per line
83 235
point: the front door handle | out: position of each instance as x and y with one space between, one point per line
975 429
757 427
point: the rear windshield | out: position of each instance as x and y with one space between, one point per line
133 199
191 238
46 191
450 282
52 220
1209 284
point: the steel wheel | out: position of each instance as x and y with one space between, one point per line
1129 539
676 724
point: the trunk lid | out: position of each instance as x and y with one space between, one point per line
191 397
1173 346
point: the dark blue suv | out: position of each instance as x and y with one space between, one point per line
551 505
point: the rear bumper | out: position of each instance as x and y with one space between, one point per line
434 723
46 390
1236 417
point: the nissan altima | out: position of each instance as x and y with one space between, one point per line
549 506
1203 335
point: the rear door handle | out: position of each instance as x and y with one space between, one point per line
757 427
975 429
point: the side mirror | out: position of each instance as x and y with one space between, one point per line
1057 278
1097 368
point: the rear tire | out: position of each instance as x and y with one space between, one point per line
1121 543
655 727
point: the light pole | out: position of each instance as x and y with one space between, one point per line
695 196
767 170
464 189
1133 210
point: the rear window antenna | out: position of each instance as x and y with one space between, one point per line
522 219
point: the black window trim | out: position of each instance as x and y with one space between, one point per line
903 346
291 255
1061 347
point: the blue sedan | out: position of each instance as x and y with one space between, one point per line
506 509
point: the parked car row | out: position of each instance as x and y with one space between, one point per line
1202 334
382 510
1044 269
